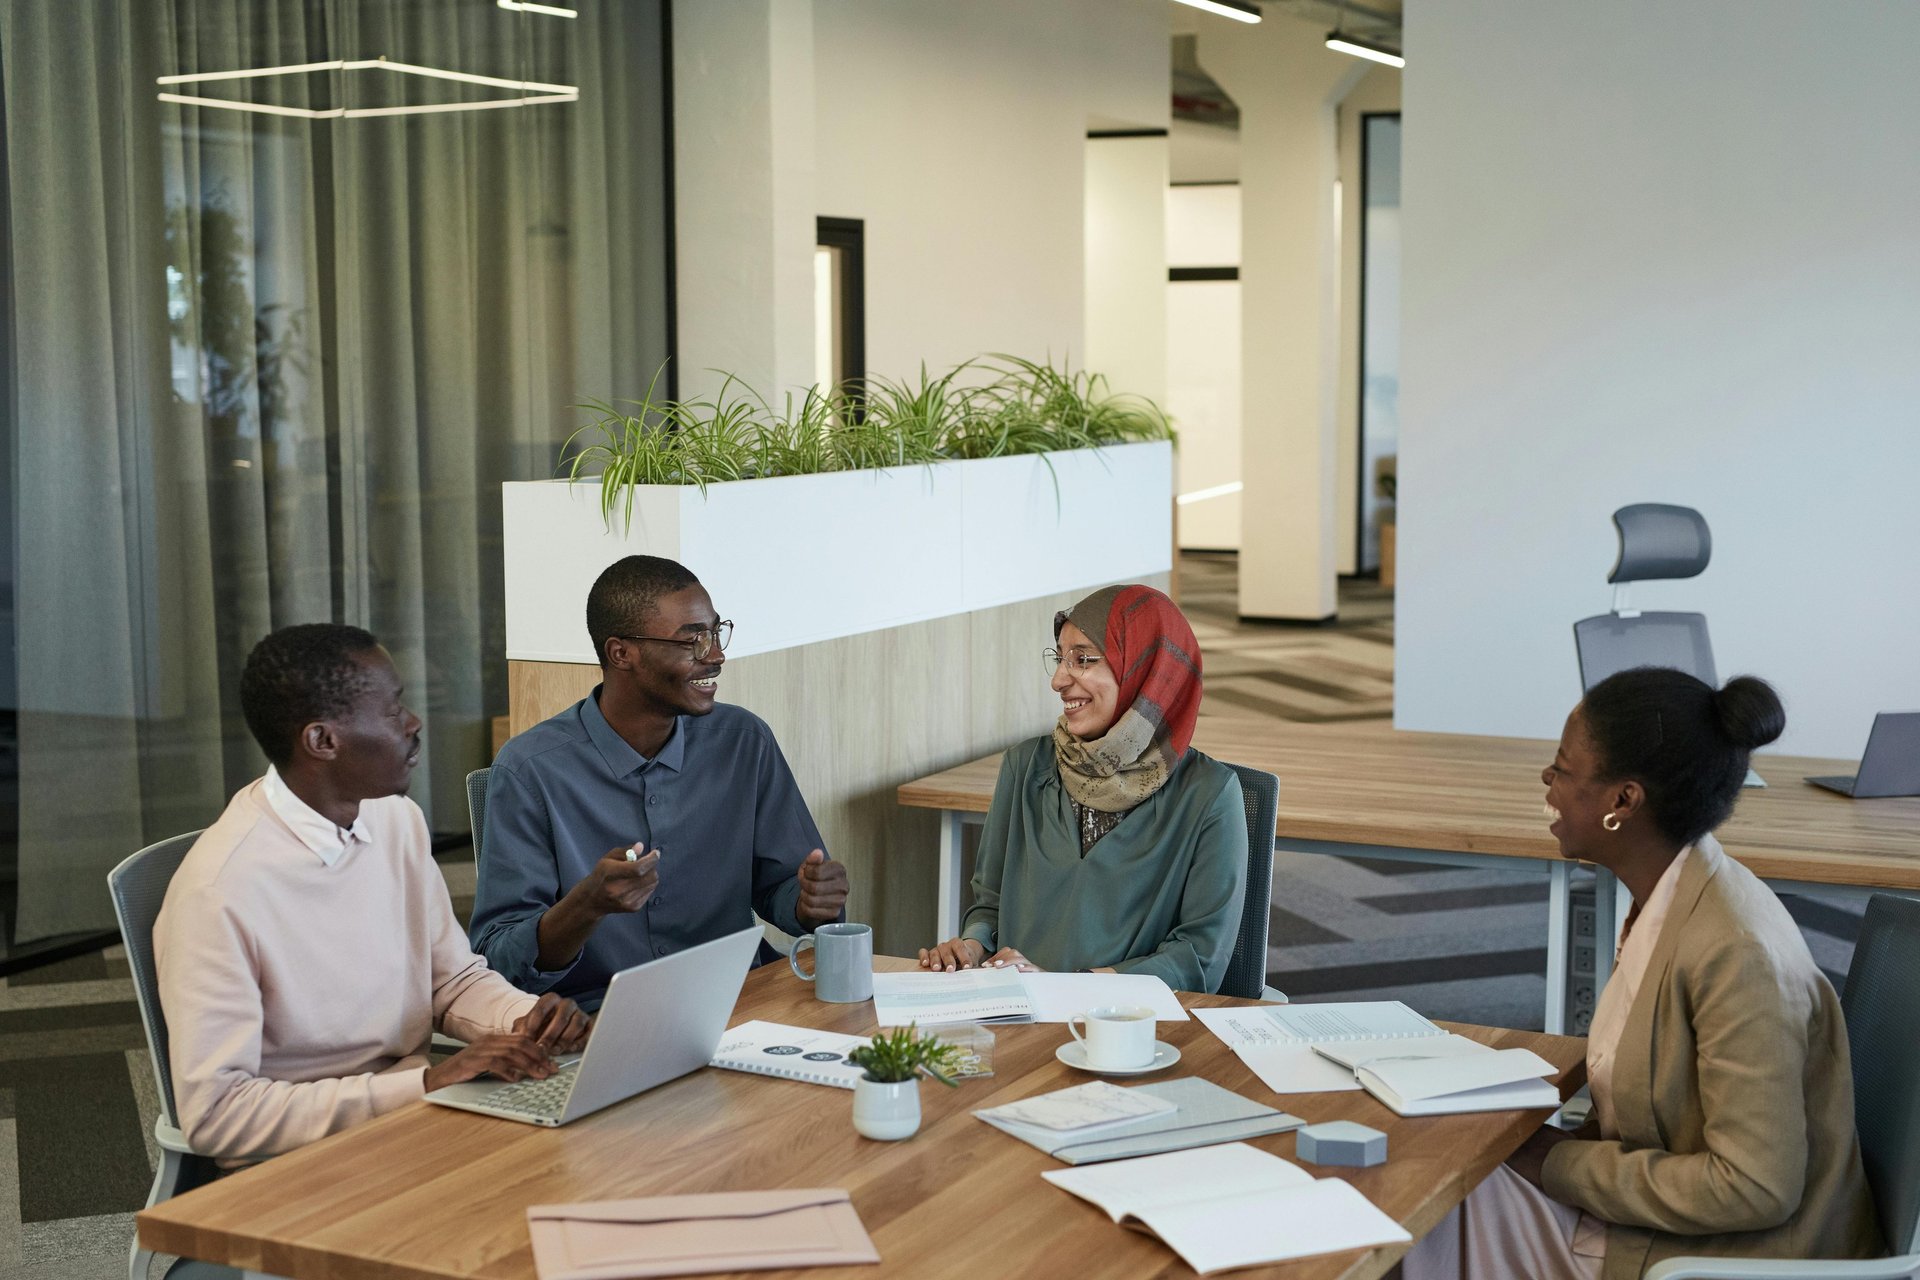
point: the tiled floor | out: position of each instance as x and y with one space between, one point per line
77 1095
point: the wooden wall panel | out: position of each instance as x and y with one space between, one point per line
860 715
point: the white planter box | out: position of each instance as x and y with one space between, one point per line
800 559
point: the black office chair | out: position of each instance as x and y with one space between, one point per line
1656 541
1247 970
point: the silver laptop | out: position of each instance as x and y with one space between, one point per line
660 1020
1890 766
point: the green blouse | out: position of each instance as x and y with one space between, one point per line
1161 893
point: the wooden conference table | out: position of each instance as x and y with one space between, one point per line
429 1192
1456 799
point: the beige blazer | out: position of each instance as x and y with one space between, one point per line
1733 1095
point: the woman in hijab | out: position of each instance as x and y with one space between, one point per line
1112 845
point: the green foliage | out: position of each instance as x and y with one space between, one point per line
988 408
898 1055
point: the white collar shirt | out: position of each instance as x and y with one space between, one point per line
316 831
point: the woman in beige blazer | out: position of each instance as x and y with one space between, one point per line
1723 1096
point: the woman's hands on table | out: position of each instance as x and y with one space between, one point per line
954 953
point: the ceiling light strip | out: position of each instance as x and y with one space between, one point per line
525 6
1235 9
1364 49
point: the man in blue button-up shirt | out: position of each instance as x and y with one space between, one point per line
646 818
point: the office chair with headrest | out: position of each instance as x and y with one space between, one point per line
1656 541
138 887
1881 1004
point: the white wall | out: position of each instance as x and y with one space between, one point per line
1126 263
1660 252
1203 362
958 132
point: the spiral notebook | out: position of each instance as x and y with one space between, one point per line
792 1053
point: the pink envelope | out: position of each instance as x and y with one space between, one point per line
692 1235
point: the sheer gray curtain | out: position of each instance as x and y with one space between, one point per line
268 370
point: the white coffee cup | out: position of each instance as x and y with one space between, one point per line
1118 1036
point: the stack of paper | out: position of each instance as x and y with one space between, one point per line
1006 995
1233 1206
1084 1109
1192 1113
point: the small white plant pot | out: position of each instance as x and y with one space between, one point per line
886 1112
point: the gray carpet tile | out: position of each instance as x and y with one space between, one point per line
77 1134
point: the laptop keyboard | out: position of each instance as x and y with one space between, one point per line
546 1098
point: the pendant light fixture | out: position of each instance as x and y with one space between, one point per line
531 92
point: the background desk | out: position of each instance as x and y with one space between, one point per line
1463 800
428 1192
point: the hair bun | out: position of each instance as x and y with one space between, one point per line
1749 712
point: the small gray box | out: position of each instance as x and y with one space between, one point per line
1341 1142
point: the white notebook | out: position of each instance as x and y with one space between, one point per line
1006 995
793 1053
1448 1077
1232 1206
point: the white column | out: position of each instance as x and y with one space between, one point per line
1286 83
744 193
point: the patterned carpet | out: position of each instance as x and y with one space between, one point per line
77 1097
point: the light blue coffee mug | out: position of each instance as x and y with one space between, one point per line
842 962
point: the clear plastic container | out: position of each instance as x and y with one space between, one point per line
975 1043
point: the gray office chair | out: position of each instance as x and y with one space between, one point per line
1656 541
1882 1004
477 807
139 886
1247 970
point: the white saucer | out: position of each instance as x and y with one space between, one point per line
1074 1054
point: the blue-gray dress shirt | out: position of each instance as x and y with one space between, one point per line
718 799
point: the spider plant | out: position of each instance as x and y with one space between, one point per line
1021 407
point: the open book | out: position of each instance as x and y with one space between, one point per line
1276 1041
1006 995
1447 1075
1232 1206
1387 1049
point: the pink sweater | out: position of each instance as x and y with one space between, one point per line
301 996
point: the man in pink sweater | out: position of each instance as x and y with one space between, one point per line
307 949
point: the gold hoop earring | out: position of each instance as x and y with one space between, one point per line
1611 822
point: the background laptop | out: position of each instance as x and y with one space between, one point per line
1890 766
660 1020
